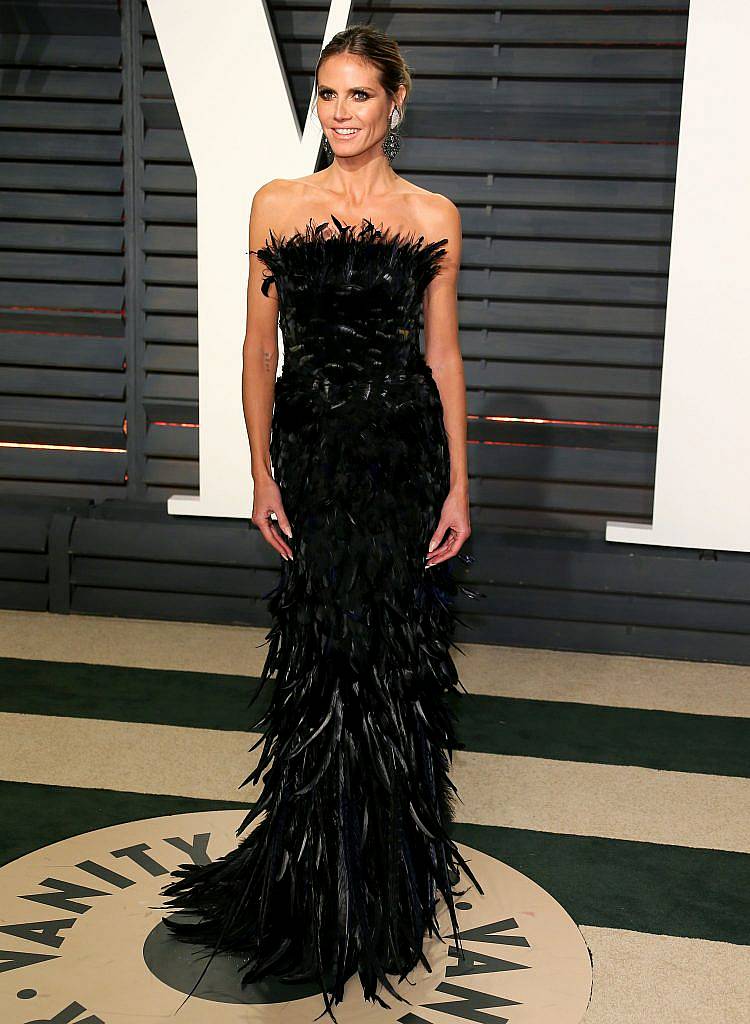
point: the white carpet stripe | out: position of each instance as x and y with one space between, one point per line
573 798
640 977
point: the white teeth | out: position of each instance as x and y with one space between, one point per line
346 131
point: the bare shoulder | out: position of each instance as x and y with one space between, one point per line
281 201
440 217
270 198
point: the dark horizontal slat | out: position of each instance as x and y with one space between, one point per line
182 540
172 387
503 225
165 300
487 157
169 440
176 269
99 238
44 464
570 408
59 267
56 145
507 194
29 597
177 474
63 207
528 347
76 383
545 286
168 211
574 317
77 435
583 563
23 566
74 115
90 412
60 177
51 350
542 494
69 84
612 444
24 531
564 605
94 18
160 115
168 605
134 574
169 178
625 382
162 410
80 323
486 124
171 358
170 329
165 144
62 296
47 48
170 238
558 465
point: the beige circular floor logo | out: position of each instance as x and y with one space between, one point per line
83 943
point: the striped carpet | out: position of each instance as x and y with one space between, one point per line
619 784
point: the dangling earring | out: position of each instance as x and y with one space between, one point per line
392 140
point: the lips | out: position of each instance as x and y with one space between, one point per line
346 134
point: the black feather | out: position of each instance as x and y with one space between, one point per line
344 871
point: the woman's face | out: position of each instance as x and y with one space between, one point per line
352 105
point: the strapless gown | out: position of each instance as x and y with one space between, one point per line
345 871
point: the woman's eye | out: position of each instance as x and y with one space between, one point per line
326 94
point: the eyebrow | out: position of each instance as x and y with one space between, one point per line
354 88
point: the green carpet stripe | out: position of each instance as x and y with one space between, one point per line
566 731
34 816
608 883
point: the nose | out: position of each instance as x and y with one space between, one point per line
341 113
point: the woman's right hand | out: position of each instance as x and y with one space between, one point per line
267 499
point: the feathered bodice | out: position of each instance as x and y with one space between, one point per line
350 301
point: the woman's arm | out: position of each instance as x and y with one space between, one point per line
443 355
260 357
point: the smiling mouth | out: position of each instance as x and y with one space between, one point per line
345 133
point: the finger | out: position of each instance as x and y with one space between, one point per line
437 535
273 537
447 540
447 550
281 537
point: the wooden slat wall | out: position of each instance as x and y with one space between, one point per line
62 243
552 126
167 333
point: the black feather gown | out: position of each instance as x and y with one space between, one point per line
344 872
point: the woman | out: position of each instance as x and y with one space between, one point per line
360 484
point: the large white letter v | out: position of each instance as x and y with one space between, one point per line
235 106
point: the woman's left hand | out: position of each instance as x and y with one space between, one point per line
453 529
